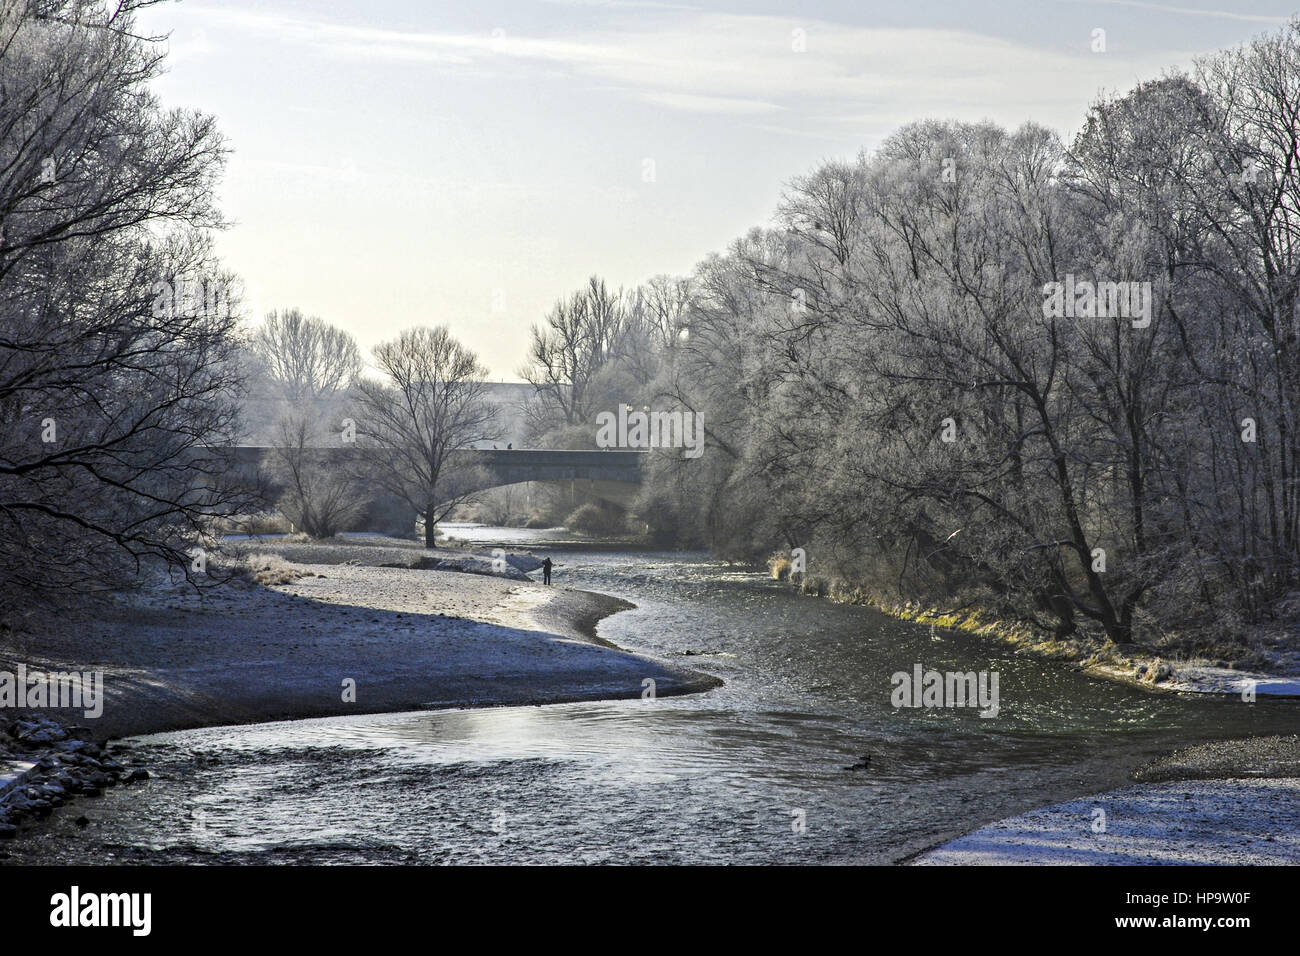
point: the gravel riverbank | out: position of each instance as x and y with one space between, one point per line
408 639
340 638
1225 802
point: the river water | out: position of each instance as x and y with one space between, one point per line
755 771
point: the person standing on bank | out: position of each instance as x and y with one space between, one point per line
546 571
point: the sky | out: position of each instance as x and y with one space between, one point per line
397 163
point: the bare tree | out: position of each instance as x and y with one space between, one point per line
662 304
118 390
653 325
311 364
309 358
565 353
322 494
430 405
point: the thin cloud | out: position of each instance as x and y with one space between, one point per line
799 133
1191 11
709 104
622 4
747 64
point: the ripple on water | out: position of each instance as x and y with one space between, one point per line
725 776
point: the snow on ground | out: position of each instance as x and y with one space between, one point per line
1176 822
1207 679
1201 677
409 638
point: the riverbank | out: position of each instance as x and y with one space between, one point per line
806 702
1226 802
1268 665
286 641
1131 664
338 639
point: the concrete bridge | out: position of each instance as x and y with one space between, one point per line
613 475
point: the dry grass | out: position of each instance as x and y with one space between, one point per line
815 584
778 566
1153 672
268 569
262 522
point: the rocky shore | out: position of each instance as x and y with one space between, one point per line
43 764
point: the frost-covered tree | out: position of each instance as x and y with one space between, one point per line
118 372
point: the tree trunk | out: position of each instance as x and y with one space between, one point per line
429 529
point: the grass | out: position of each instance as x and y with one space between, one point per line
269 569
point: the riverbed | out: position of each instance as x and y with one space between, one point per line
798 757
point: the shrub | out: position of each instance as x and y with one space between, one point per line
261 522
594 520
778 565
269 569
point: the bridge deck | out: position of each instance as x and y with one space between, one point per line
509 465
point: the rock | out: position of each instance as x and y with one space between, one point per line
524 562
136 775
38 730
82 821
7 831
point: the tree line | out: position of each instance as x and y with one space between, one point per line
891 380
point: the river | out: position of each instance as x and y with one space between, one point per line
755 771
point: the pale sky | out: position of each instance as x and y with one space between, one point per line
399 163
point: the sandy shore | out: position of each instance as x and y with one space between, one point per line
409 638
1226 802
